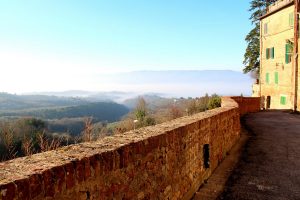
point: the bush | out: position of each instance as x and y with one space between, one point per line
214 102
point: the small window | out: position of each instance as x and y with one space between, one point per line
206 156
266 28
276 78
283 100
267 53
291 19
267 78
272 52
288 53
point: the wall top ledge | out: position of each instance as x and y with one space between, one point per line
23 168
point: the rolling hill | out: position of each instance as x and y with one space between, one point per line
100 111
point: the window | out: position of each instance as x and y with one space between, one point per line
283 100
270 53
206 156
288 52
291 19
266 28
267 53
267 78
276 78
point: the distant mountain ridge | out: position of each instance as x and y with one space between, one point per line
183 82
178 75
172 83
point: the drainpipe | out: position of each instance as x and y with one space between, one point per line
296 33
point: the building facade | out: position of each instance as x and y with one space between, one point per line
277 85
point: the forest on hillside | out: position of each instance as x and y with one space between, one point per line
25 132
108 111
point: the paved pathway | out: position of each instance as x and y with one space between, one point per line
270 164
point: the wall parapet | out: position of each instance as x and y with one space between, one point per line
248 104
157 162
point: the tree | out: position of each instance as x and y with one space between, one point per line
8 140
27 146
214 102
192 107
175 112
203 103
252 55
87 131
142 115
47 143
141 109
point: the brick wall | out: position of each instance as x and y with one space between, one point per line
158 162
248 104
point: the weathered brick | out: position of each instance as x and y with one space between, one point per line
95 165
8 191
79 170
49 183
60 178
87 168
162 140
107 161
70 175
147 147
35 185
137 148
124 156
23 188
154 142
146 169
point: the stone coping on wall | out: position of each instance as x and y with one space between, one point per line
22 168
18 175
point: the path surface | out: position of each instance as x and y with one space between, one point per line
270 164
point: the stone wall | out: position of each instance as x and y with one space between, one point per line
248 104
165 161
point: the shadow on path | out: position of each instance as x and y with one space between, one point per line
269 167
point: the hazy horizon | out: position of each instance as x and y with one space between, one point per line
170 83
72 45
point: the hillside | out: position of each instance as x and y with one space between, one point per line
12 102
153 101
100 111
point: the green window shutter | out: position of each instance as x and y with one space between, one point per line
272 52
267 53
267 78
287 53
283 100
276 78
291 19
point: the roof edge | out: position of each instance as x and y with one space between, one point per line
277 10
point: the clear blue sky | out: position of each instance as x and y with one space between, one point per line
84 37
